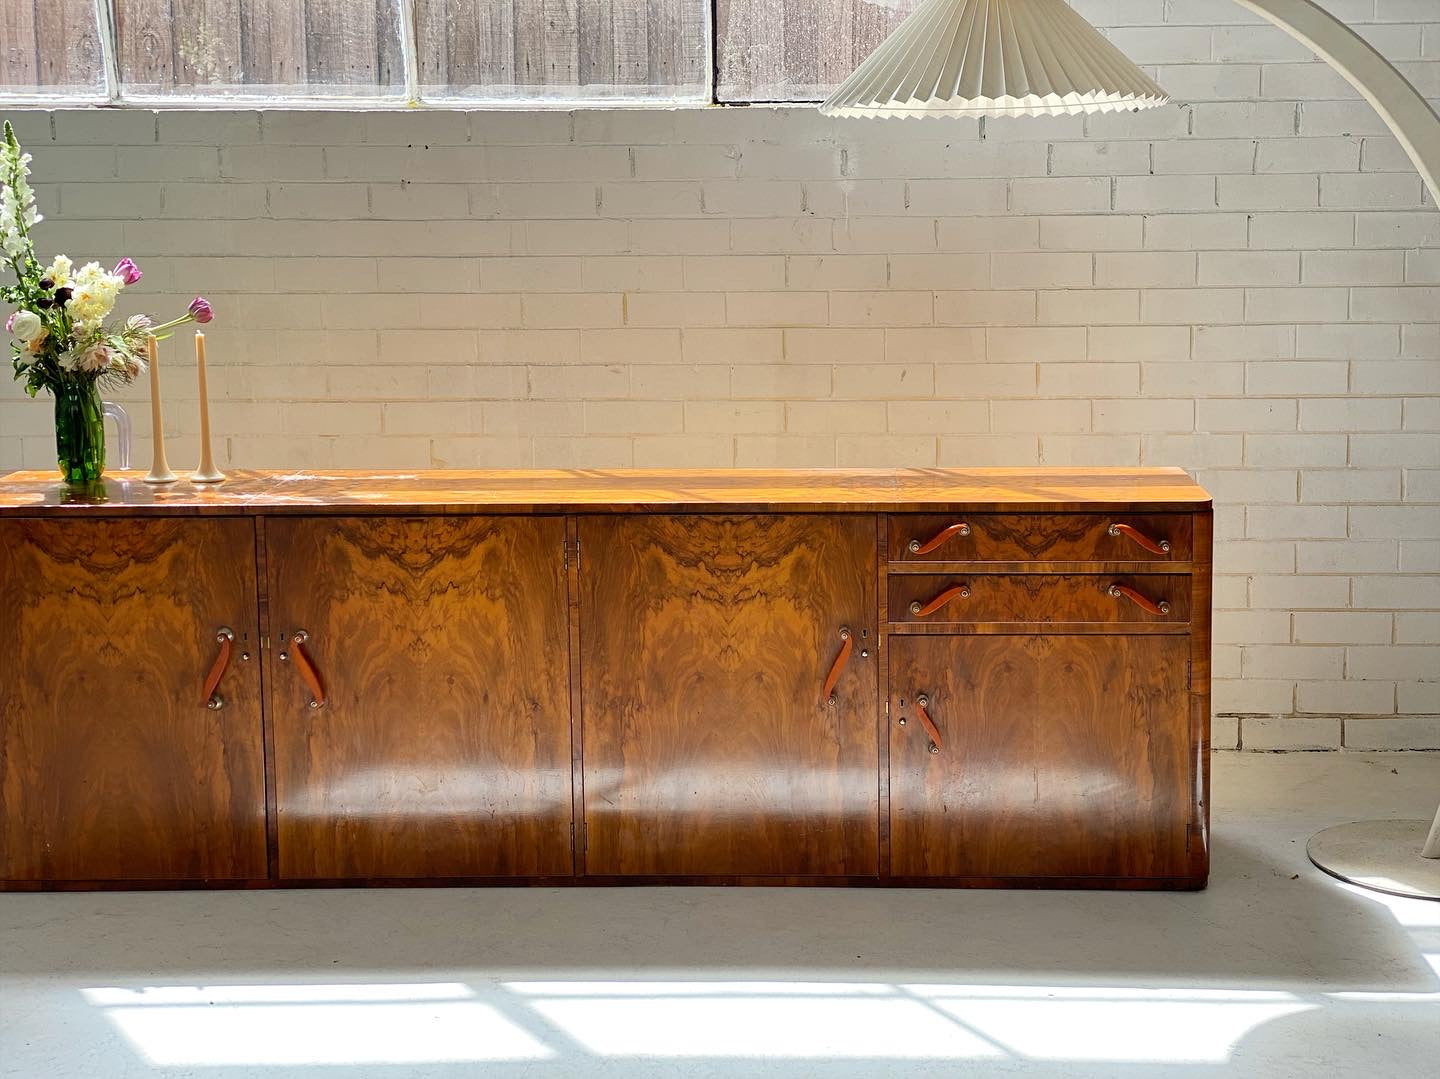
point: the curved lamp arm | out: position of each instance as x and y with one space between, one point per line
1399 104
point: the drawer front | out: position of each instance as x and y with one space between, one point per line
1046 537
952 599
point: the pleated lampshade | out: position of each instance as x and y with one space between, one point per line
994 58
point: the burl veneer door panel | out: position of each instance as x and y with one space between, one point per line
1058 756
705 646
111 765
443 745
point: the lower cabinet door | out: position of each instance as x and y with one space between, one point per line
1039 756
422 720
112 767
710 745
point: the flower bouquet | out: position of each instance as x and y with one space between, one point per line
60 341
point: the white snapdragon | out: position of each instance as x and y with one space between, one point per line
17 200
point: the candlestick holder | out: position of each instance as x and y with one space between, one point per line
207 472
159 467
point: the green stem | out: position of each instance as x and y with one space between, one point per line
187 317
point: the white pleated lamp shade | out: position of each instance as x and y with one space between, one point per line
994 58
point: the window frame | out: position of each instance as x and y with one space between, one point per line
113 94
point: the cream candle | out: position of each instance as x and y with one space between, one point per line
159 467
206 472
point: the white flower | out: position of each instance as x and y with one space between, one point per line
25 326
17 200
59 271
94 292
138 323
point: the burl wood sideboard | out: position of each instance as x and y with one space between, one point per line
902 677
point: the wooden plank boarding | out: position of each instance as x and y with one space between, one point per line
272 43
797 50
145 44
20 45
207 42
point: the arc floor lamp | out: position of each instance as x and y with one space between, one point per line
1041 58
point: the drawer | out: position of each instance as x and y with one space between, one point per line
952 599
1045 537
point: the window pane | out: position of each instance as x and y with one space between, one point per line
797 50
562 49
285 47
50 48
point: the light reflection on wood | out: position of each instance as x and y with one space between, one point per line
553 490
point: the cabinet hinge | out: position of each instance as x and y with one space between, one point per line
584 837
572 551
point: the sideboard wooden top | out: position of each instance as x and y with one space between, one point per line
26 494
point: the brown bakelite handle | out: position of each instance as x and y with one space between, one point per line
924 610
847 642
307 669
959 529
226 638
1145 603
1133 533
928 723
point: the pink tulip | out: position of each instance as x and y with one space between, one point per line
200 309
9 322
127 271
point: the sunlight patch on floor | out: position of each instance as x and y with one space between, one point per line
904 1021
420 1023
173 1026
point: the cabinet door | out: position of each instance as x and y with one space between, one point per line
111 765
1058 756
442 747
706 644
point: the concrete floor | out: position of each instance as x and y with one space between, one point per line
1277 970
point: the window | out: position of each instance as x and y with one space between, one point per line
518 50
270 48
51 49
797 50
561 52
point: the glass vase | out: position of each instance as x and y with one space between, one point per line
79 431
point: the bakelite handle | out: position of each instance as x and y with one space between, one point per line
847 643
1133 533
307 669
924 610
225 636
1145 603
929 724
958 529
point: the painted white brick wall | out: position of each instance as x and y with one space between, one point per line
1246 284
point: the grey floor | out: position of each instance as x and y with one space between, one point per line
1276 970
